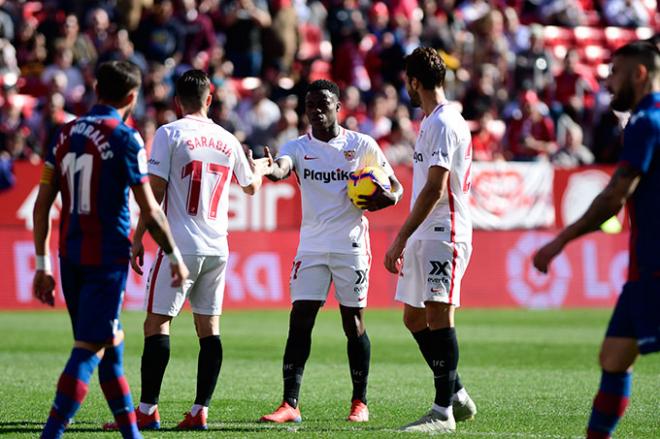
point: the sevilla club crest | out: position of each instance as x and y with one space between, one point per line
349 155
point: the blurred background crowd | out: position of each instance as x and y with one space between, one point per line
529 74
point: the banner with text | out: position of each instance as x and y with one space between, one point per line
589 273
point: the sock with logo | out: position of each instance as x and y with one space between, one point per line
155 356
72 387
425 346
117 392
444 361
208 368
609 404
296 353
359 356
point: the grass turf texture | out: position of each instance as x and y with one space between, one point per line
532 375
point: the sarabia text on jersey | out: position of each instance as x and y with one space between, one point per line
444 140
641 151
198 158
96 159
330 222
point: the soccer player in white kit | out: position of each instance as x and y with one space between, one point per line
191 165
432 248
334 242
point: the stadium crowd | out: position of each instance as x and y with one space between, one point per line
529 74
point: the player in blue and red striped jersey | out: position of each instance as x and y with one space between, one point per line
634 328
93 163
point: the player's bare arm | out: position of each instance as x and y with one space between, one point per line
259 167
606 204
159 188
279 169
382 198
155 222
432 191
43 286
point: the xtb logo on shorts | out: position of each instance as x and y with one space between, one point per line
361 281
439 274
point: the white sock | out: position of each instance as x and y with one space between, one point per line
460 396
444 411
197 407
147 409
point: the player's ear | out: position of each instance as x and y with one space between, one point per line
209 98
640 73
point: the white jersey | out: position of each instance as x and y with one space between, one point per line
330 222
444 140
198 158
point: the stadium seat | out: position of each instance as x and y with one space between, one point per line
618 36
555 35
594 55
585 36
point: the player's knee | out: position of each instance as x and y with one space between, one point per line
156 324
414 322
612 362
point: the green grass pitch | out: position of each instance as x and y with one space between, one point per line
532 375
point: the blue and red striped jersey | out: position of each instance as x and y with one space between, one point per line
641 151
96 158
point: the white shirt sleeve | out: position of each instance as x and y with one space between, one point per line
376 157
161 154
288 152
242 171
440 146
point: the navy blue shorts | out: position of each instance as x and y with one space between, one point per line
637 315
93 297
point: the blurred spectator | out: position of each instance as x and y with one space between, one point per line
223 115
99 29
626 13
45 123
63 63
244 21
122 49
562 13
81 45
281 38
575 83
352 106
159 37
480 98
571 152
533 67
517 35
7 179
260 116
399 145
6 22
198 33
287 128
530 134
487 139
377 124
19 145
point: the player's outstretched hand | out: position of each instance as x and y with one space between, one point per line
137 256
179 273
269 161
394 255
546 254
43 287
380 199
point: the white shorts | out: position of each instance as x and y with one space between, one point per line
312 273
432 272
204 287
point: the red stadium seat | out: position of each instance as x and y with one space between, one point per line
585 36
310 44
594 55
555 35
618 36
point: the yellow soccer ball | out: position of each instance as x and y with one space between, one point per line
365 182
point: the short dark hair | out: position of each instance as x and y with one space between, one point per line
426 65
116 79
644 52
192 88
324 84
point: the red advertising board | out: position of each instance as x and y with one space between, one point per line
264 237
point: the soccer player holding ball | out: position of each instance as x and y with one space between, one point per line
433 247
334 242
634 328
93 163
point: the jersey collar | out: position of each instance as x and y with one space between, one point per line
651 100
105 110
342 133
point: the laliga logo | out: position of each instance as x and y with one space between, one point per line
527 286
